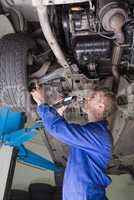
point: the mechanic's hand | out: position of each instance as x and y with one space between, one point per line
38 94
61 110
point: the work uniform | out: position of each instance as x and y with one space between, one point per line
90 152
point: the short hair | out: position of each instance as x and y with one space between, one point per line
110 103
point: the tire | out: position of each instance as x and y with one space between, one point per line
41 191
14 50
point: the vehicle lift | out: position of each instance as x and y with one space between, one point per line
13 135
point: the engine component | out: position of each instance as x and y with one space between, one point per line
83 20
116 59
41 72
57 74
81 31
89 49
113 16
117 52
79 21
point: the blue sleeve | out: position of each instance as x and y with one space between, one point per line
71 134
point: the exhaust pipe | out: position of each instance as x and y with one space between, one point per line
113 16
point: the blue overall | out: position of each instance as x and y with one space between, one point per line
90 152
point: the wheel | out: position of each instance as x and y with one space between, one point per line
41 191
14 51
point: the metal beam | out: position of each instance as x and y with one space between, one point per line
55 2
7 166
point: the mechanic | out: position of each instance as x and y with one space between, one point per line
90 144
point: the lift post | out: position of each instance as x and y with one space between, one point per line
12 137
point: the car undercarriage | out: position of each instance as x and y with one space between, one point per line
71 47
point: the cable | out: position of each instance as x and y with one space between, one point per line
110 38
99 33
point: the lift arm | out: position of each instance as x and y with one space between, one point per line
13 135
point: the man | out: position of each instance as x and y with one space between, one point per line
90 145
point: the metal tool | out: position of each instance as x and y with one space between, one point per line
65 101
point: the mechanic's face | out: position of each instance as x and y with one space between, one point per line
94 103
